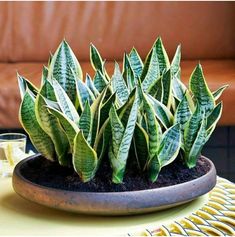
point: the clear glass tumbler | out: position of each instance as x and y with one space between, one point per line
12 149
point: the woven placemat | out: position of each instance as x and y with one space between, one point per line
215 218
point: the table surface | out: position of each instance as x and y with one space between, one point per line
21 217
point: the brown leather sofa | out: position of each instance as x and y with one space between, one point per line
29 30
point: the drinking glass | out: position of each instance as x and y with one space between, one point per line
12 149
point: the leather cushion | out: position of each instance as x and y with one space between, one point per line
29 30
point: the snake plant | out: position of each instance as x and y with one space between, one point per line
142 114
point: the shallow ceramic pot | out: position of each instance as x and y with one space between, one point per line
111 203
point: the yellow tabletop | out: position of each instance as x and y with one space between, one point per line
21 217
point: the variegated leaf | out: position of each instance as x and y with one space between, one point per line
156 89
151 70
49 59
38 137
48 92
100 81
69 127
136 62
95 115
51 126
103 140
117 130
130 78
197 146
119 86
52 104
183 112
175 64
91 86
201 91
191 129
65 103
170 145
104 112
128 73
154 129
124 111
85 122
162 112
60 69
163 60
154 168
141 146
178 87
44 75
167 151
167 88
119 162
95 58
129 131
24 84
84 158
219 92
214 116
84 94
143 122
209 132
118 168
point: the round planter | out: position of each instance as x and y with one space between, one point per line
113 203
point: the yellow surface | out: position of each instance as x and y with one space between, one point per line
215 218
21 217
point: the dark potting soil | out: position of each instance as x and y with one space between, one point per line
50 174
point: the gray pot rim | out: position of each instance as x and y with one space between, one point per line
113 203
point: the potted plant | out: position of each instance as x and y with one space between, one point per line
121 145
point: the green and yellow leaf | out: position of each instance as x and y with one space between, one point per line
25 85
51 126
119 86
183 112
219 92
91 86
141 146
161 111
214 116
69 127
201 91
170 145
84 94
128 73
60 69
163 60
84 158
167 88
38 137
119 161
104 112
95 58
151 70
44 77
95 115
197 146
191 129
136 62
100 81
175 64
85 122
65 103
156 89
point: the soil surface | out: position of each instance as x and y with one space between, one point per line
50 174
